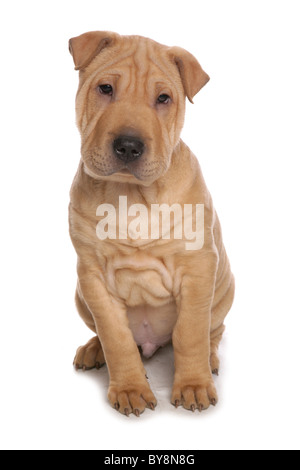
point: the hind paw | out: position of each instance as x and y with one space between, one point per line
89 356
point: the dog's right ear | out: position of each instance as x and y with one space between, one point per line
86 47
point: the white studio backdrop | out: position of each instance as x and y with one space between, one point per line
244 128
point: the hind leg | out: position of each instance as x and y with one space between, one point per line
91 355
219 313
215 340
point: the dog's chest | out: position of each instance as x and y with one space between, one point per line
146 286
139 280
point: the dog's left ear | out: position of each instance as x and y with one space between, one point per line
192 75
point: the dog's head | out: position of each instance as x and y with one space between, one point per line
131 103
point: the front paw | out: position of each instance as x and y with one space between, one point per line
132 399
194 394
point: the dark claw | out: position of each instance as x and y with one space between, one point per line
215 371
201 407
126 412
137 413
213 401
152 406
177 403
117 406
98 365
193 408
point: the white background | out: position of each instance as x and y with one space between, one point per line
244 127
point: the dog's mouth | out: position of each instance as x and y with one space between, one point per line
125 174
100 165
100 170
106 166
125 171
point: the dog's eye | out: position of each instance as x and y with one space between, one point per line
106 90
163 99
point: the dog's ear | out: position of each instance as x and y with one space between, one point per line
86 47
192 75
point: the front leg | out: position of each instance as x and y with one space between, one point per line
193 384
129 391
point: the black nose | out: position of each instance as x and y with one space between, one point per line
128 148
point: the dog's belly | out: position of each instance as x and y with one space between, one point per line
152 327
146 286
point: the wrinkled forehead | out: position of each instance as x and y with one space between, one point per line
137 61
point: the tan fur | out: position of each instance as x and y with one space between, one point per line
127 286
